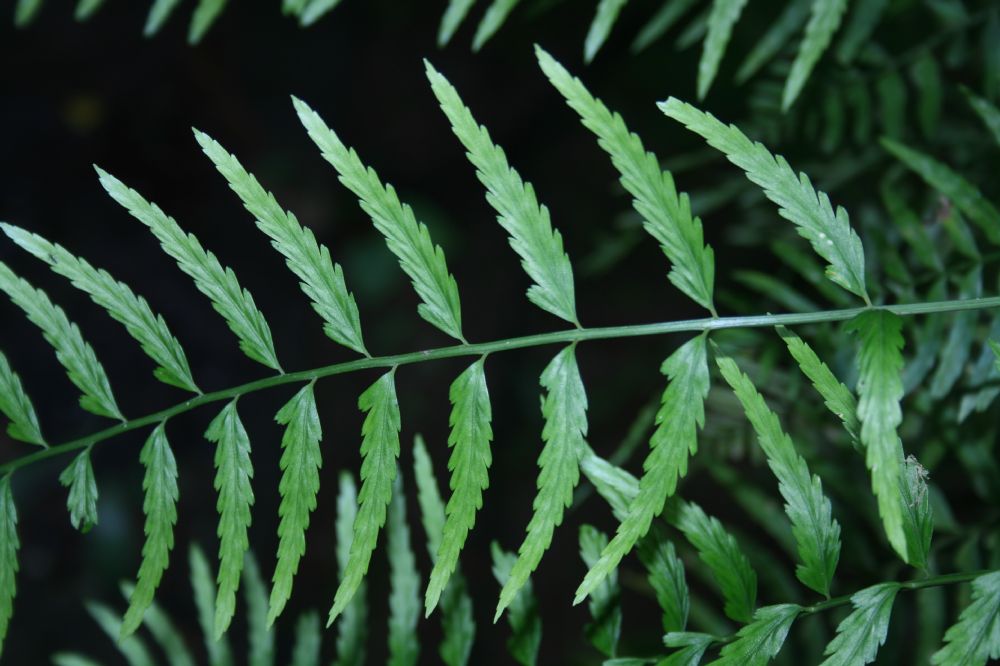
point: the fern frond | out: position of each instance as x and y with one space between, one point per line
164 632
321 279
25 11
17 407
987 112
494 18
308 640
409 240
205 15
522 615
73 352
975 638
823 23
159 12
132 648
86 8
829 232
863 632
817 533
451 20
219 284
564 409
532 236
219 651
315 10
616 486
666 577
605 609
691 647
82 500
260 637
233 472
758 642
9 545
404 583
379 452
669 13
721 20
300 462
681 414
600 27
775 39
147 328
666 216
352 631
160 507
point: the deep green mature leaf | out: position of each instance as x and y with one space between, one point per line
25 12
147 328
987 112
321 279
315 10
160 507
86 8
132 648
308 640
469 463
260 637
829 232
975 638
379 451
817 533
233 471
564 408
410 241
880 388
525 622
862 633
966 196
352 631
164 631
205 15
666 216
73 352
666 577
690 647
861 23
404 583
219 284
823 23
219 651
669 13
676 437
82 500
158 15
9 545
494 18
16 406
531 233
605 608
775 39
721 20
600 27
451 19
757 643
300 463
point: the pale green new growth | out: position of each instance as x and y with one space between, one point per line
16 406
680 415
410 241
600 27
158 15
975 638
82 500
817 533
132 648
525 622
492 20
862 633
260 637
721 20
666 216
605 609
404 584
164 631
379 451
757 643
160 507
880 388
300 463
564 408
219 284
9 544
219 651
321 279
352 630
205 14
451 19
147 328
823 23
829 232
73 352
233 471
531 233
308 640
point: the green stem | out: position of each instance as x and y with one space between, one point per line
572 335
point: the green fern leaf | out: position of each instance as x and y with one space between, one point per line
880 387
681 414
86 8
605 609
817 533
757 643
163 630
863 632
823 23
219 284
148 329
352 630
132 648
219 651
600 27
775 39
9 545
158 15
315 10
987 112
494 18
379 450
451 20
322 280
409 240
73 352
205 15
531 233
966 196
616 486
525 622
721 20
565 411
82 501
665 18
233 471
300 463
308 640
829 232
72 659
975 638
404 583
691 647
25 11
666 577
16 406
293 7
666 216
864 18
260 637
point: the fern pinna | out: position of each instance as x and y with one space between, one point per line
871 420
